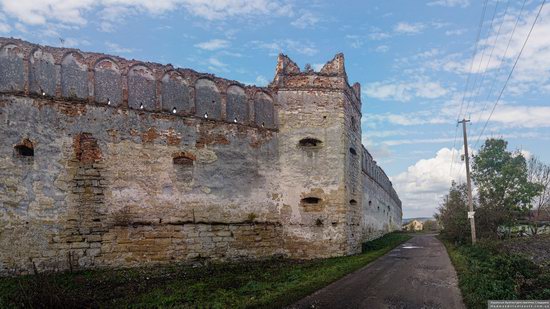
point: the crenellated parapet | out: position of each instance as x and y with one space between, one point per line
376 173
110 162
81 77
331 77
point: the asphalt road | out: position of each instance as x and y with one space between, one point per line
416 274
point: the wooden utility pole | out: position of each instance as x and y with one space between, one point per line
469 183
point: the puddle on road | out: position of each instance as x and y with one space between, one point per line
411 247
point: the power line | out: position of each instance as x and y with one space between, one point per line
511 71
473 56
480 26
481 60
500 63
484 74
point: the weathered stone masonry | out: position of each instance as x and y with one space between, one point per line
112 162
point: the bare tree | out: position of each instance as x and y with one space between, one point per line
539 173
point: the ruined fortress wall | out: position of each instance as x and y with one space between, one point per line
114 162
114 183
382 211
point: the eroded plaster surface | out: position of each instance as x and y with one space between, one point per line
108 162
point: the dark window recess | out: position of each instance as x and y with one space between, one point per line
311 200
353 202
182 160
370 203
310 142
352 151
25 149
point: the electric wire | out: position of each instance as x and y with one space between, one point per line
511 71
480 26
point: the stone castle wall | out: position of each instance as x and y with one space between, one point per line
112 162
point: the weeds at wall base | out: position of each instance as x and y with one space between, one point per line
485 273
271 283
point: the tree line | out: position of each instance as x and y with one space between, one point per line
509 190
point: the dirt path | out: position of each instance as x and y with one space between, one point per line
416 274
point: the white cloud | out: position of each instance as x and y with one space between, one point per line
424 184
284 46
384 133
382 48
307 19
38 12
4 27
455 32
213 44
261 81
443 140
222 9
115 48
74 12
409 28
533 69
317 66
355 41
380 151
408 119
514 116
74 42
450 3
405 91
377 34
215 64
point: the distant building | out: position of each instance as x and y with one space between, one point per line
414 225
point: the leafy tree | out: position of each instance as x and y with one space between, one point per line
452 214
504 191
430 225
539 173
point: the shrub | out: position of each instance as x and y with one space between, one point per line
485 273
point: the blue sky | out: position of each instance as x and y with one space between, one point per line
412 59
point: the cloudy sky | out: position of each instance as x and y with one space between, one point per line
418 63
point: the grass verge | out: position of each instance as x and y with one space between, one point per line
485 273
267 284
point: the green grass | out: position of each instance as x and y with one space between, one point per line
485 274
271 283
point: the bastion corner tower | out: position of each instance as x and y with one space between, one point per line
320 153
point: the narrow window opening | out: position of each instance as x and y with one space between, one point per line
353 202
310 142
311 200
352 151
25 148
183 158
370 203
